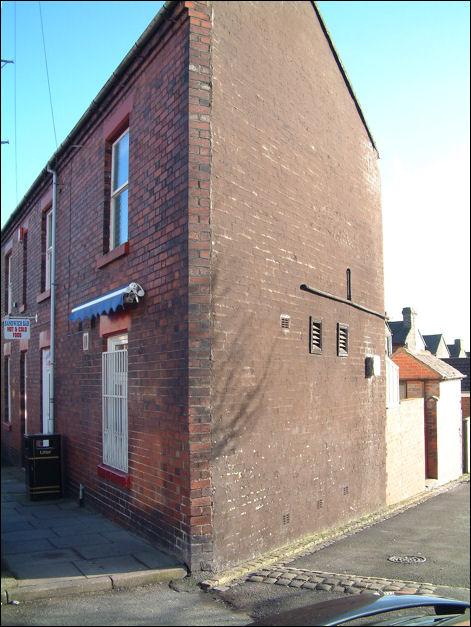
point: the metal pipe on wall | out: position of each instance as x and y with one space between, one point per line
51 426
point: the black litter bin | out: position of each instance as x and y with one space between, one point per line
43 466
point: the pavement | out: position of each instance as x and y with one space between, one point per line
55 547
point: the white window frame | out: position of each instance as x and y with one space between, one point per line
118 193
115 402
48 261
9 285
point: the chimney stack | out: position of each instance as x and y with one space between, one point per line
408 316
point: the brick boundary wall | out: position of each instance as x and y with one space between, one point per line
405 450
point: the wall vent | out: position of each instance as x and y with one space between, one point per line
286 519
349 284
315 336
342 339
285 322
345 490
320 504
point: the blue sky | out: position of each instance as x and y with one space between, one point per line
408 63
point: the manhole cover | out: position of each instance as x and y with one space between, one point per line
407 559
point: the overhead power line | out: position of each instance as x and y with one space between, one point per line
47 73
15 111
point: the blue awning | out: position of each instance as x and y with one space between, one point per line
101 305
108 302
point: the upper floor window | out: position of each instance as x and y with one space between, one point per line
47 249
119 191
8 285
24 241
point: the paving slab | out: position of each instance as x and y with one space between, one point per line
56 548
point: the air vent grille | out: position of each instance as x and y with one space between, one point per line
342 339
285 322
315 336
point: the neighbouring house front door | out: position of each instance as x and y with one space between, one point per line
23 401
46 376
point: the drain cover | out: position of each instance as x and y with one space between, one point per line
407 559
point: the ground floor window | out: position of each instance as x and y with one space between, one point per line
115 402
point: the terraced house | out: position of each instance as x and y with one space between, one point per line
201 265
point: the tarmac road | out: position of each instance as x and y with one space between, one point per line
437 528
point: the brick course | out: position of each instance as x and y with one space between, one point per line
251 173
295 199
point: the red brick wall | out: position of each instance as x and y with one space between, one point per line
298 439
410 368
29 301
239 438
199 527
155 94
465 405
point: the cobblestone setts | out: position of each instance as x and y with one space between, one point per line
342 583
273 568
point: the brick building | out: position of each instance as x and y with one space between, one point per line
424 376
217 332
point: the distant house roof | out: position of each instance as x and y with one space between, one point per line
463 365
405 333
424 366
399 332
457 349
432 344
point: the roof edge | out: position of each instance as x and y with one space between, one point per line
107 87
416 355
344 74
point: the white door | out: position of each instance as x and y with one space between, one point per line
47 374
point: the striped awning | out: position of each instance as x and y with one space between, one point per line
107 302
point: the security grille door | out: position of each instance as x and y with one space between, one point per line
115 404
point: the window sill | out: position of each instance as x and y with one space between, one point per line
6 426
115 476
116 253
43 296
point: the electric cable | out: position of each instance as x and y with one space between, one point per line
14 104
47 73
